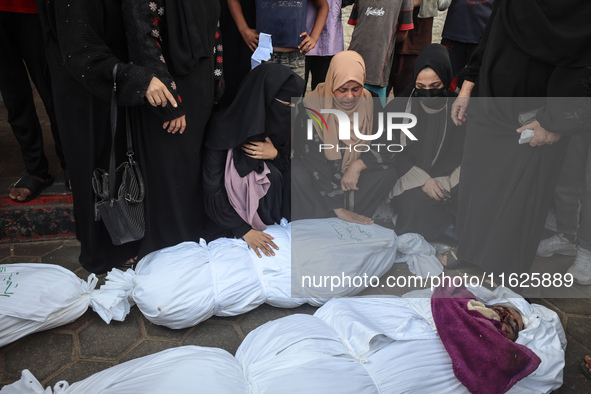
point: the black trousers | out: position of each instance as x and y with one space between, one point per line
21 40
318 66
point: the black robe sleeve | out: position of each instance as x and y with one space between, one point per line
217 204
89 59
143 23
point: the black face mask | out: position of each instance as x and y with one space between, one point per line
432 98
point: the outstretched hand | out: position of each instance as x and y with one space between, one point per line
352 217
260 242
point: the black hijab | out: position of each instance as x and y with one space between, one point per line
435 56
256 114
439 145
550 31
190 32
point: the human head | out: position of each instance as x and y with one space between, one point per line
511 320
345 78
436 58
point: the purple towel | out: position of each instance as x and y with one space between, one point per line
483 359
244 193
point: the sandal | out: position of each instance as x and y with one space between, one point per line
33 184
129 264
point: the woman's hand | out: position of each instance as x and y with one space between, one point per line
434 190
251 38
260 240
308 43
260 150
541 135
460 105
157 94
178 124
351 177
352 217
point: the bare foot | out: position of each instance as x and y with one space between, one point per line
352 217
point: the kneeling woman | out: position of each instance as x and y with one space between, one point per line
350 179
246 169
425 196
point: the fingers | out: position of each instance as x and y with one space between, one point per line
168 96
176 125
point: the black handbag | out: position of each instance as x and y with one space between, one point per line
121 212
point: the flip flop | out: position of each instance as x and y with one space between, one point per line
34 185
585 370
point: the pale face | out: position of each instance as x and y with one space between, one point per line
428 79
347 94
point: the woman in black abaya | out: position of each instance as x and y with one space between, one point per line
246 166
425 195
531 49
175 39
85 40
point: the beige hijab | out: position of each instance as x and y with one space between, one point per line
344 67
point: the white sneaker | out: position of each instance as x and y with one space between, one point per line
581 268
556 244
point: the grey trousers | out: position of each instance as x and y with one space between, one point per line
572 197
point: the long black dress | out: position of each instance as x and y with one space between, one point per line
81 53
175 39
254 115
530 49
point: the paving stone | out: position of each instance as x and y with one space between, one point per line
36 249
259 316
579 328
223 336
88 317
78 371
42 353
232 319
578 385
109 341
304 309
66 256
147 347
580 306
574 355
5 251
19 259
156 331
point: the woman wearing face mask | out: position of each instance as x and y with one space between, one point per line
334 177
425 196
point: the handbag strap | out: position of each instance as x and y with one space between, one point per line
112 162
